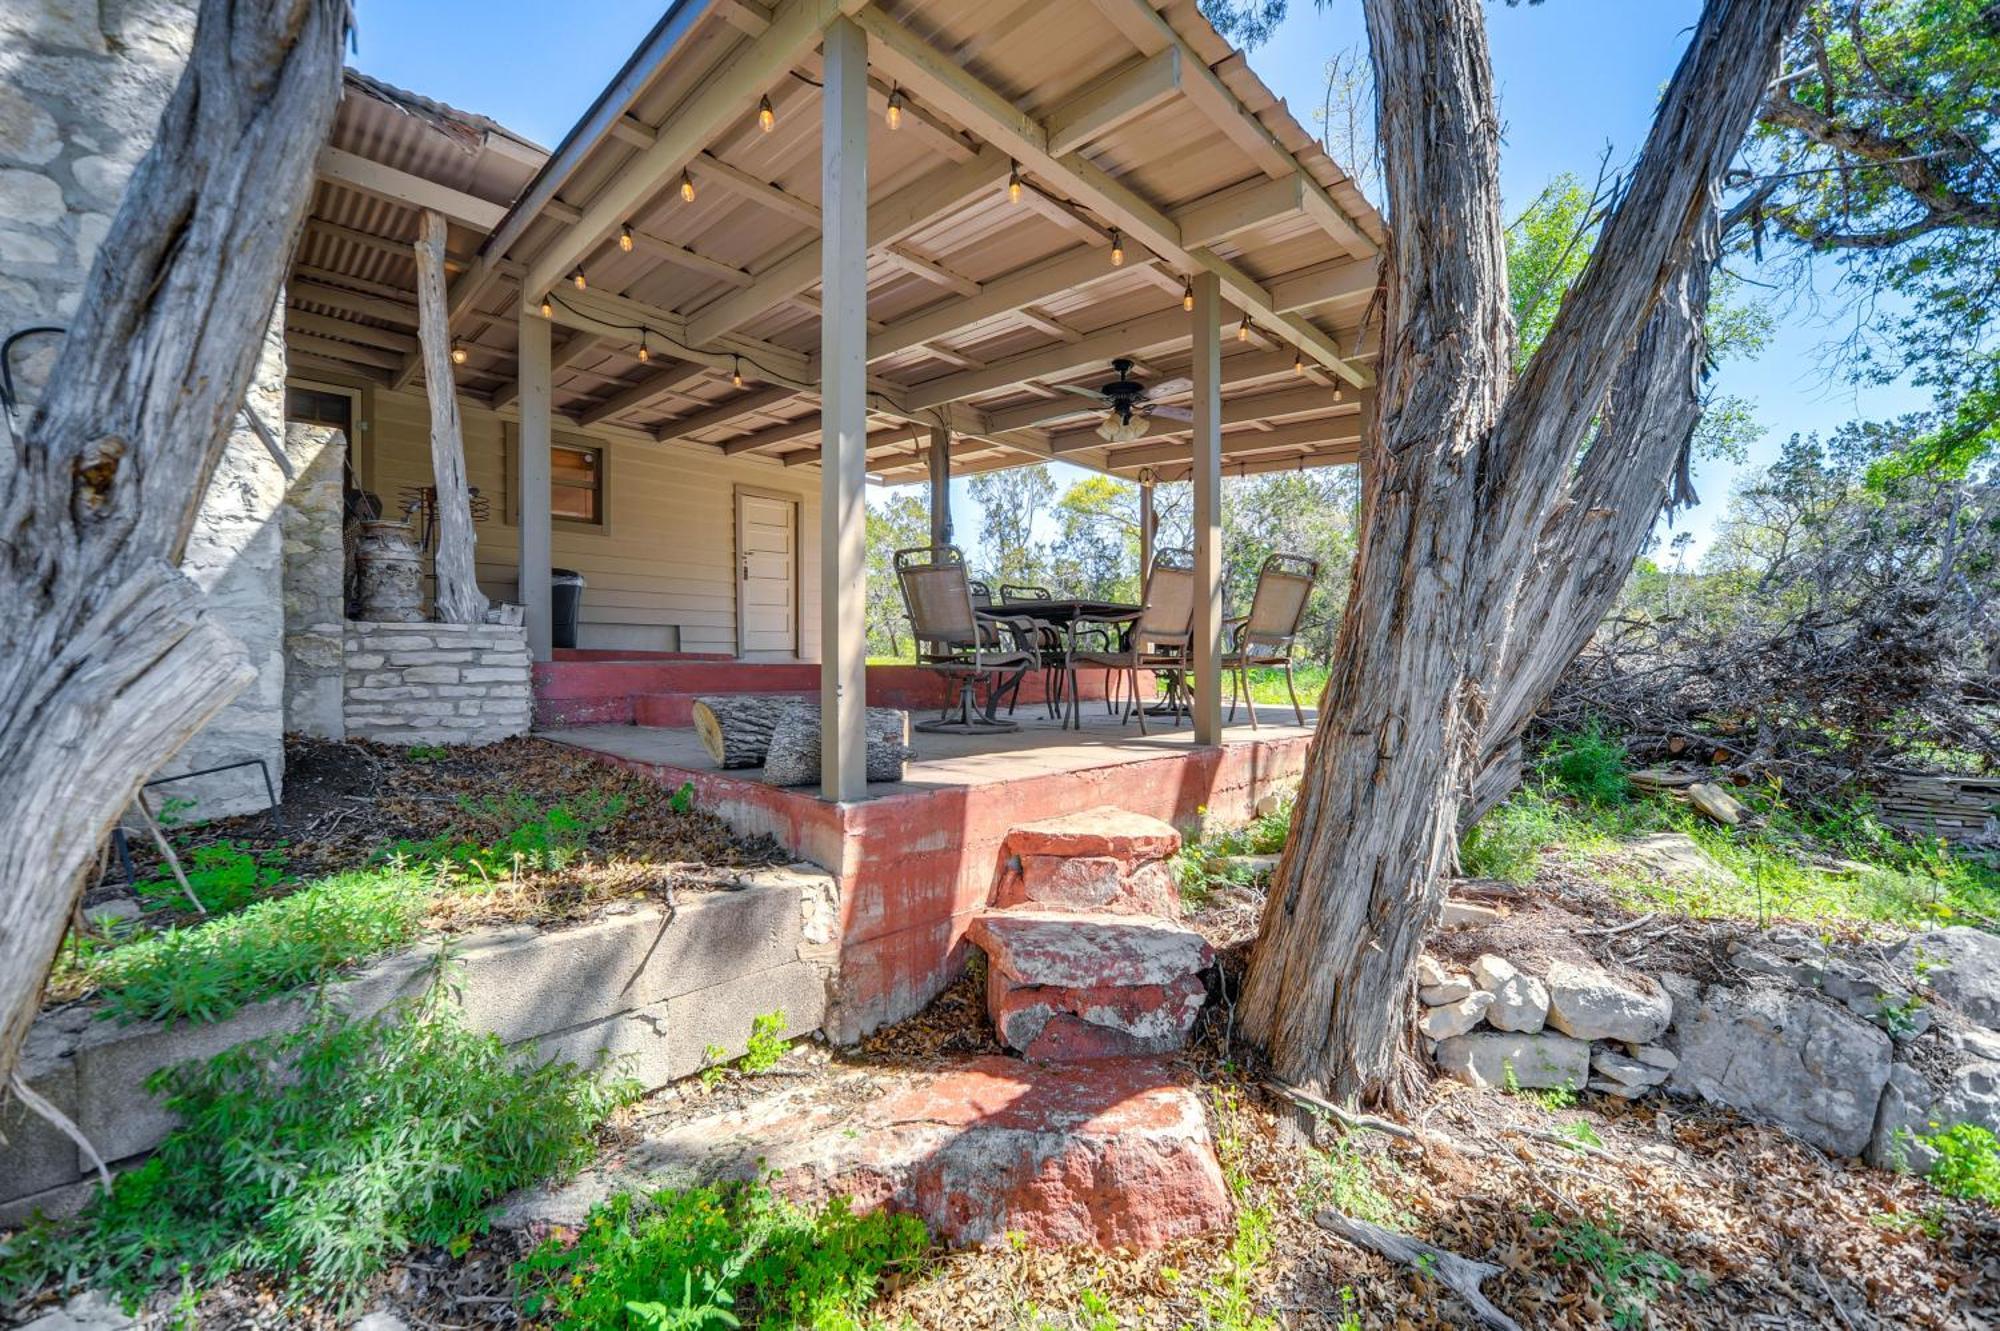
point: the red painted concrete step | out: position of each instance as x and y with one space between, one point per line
1062 1023
1086 950
676 710
1115 833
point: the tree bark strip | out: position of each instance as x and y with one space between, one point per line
107 661
459 600
1467 480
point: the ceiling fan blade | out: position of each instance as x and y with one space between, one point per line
1172 413
1168 388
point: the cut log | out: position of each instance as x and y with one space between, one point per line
1716 803
735 728
792 758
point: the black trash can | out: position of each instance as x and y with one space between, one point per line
566 598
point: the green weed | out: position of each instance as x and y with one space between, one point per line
1508 842
1553 1099
426 753
722 1255
1968 1162
225 876
1588 764
207 971
1626 1278
317 1155
1197 869
1343 1179
767 1044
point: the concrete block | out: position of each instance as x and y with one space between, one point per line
718 935
636 1042
722 1014
37 1155
116 1112
57 1203
518 988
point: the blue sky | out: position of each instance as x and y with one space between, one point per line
1575 76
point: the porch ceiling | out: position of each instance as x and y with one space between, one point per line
1122 121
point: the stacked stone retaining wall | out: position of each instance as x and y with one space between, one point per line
437 683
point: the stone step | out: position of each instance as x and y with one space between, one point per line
1066 1023
983 1151
1088 950
1091 883
1132 838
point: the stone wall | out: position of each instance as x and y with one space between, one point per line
649 987
315 609
437 683
82 83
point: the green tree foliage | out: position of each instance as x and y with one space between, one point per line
901 521
1877 149
1009 502
1298 512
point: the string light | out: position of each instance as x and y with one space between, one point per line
644 355
577 277
1187 296
895 112
736 373
1117 249
1243 330
625 237
767 119
687 186
1338 391
548 308
1298 363
1014 184
458 352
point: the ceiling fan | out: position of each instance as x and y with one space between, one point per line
1129 405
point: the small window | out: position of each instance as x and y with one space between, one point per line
311 406
576 483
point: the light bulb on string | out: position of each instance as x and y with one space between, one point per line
577 277
625 237
736 372
1117 249
548 308
767 119
1014 185
1243 330
1298 363
687 187
644 354
458 352
1187 297
894 115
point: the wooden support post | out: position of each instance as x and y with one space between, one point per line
843 413
1146 523
1206 477
940 485
532 484
459 600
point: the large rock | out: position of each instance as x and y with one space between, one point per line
1456 1018
1054 1022
1543 1059
1593 1004
1131 837
1675 856
1912 1109
1813 1069
1088 951
1962 965
1520 1002
995 1147
1092 882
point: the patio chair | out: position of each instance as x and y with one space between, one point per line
960 641
1157 636
1050 645
1264 636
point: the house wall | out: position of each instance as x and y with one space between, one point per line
661 573
83 85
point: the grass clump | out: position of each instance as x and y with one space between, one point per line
1197 867
518 832
207 971
720 1256
317 1155
1588 764
224 875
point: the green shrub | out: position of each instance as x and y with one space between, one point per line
318 1155
721 1255
1588 764
1968 1163
209 970
225 876
1507 843
1626 1278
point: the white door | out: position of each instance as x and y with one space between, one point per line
767 578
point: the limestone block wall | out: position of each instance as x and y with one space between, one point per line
437 683
649 988
315 612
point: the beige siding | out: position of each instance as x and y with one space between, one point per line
666 558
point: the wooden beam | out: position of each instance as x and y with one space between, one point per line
1048 324
660 384
458 599
573 347
687 258
1332 455
1116 99
996 119
1325 431
1222 215
929 269
1069 271
805 427
1065 215
1235 411
616 317
535 521
1324 284
922 123
903 212
726 412
1127 338
412 191
306 322
726 94
347 351
708 167
368 240
1240 369
354 302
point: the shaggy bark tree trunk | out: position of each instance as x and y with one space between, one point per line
459 600
107 662
1472 488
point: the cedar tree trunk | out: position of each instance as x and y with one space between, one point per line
1487 547
459 600
107 661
